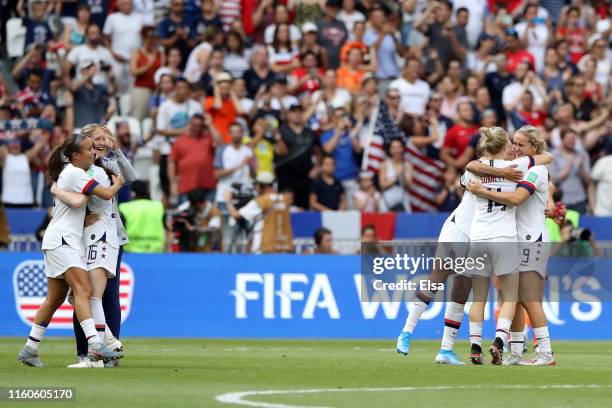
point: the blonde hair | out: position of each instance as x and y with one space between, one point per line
492 140
535 138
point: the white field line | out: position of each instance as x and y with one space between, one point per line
239 397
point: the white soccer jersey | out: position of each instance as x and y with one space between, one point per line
107 224
463 214
66 226
530 218
491 219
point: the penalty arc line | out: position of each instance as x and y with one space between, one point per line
239 397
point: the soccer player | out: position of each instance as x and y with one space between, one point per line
531 197
63 253
493 236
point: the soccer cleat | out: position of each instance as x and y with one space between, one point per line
448 357
112 363
29 356
476 355
403 343
512 359
98 351
496 350
540 359
87 363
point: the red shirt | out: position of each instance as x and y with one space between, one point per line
310 85
515 58
194 161
222 118
535 118
458 138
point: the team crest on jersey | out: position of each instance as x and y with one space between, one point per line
30 289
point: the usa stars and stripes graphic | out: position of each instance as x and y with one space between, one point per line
30 289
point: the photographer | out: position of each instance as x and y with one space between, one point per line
267 215
196 225
92 101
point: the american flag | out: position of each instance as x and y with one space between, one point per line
427 171
30 288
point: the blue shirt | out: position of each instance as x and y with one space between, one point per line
386 68
36 32
346 165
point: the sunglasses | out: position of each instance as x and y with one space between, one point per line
393 96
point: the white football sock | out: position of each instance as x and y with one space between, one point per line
503 329
416 309
517 340
541 334
476 333
36 334
89 328
452 321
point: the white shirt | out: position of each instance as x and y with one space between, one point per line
513 90
537 38
493 220
295 34
16 180
124 32
464 213
193 71
82 55
476 13
227 157
66 226
172 115
602 174
414 96
349 20
530 218
341 98
106 226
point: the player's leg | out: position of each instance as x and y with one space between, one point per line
453 315
509 289
480 293
98 278
56 294
110 299
517 336
531 290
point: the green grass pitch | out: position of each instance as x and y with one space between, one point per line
193 373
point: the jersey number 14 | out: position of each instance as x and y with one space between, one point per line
492 203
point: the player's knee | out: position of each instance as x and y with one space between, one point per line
83 290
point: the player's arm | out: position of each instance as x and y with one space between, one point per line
105 193
542 159
75 200
509 172
514 198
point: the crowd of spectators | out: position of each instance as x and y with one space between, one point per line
297 88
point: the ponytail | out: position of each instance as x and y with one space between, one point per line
62 155
492 140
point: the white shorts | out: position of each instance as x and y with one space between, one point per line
452 242
102 255
533 256
60 259
497 255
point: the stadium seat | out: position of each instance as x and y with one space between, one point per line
134 124
15 37
124 104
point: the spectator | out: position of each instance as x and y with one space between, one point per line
283 54
496 82
200 58
197 224
307 77
394 178
173 64
516 53
481 61
553 77
535 34
476 10
236 58
353 70
214 68
92 52
234 163
295 165
327 193
268 215
381 36
224 106
99 10
332 33
16 175
349 16
330 97
173 118
92 101
413 91
393 101
175 31
281 16
367 198
191 163
525 80
570 171
266 142
310 44
603 65
33 94
458 137
259 73
450 193
37 29
324 242
206 21
281 99
569 28
34 61
144 63
342 144
74 34
583 106
143 219
164 90
601 185
122 35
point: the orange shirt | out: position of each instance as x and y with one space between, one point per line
349 80
223 117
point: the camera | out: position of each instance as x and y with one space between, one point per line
580 234
105 67
242 193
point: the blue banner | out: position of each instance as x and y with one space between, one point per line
260 296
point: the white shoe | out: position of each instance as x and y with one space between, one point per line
87 363
540 359
114 344
512 359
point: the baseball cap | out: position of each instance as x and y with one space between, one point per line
295 107
223 77
265 178
309 27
